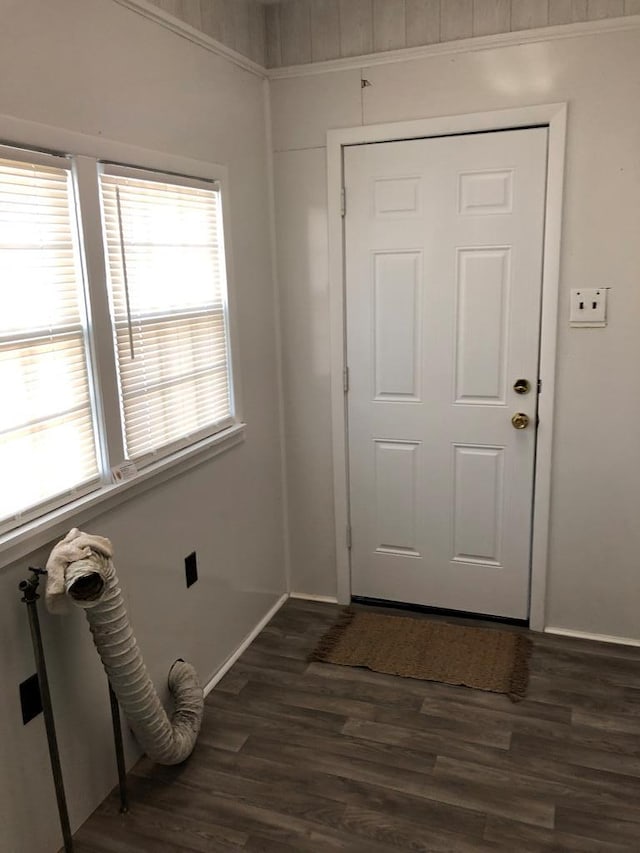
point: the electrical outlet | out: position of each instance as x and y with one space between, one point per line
191 568
588 307
30 699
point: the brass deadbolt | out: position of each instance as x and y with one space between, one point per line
522 386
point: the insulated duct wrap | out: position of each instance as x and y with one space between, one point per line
80 568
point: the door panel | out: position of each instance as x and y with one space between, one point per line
483 284
443 281
477 504
395 480
396 327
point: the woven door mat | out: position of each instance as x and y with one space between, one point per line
483 658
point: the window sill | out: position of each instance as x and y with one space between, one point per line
23 540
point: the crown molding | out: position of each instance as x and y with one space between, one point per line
180 28
469 45
405 54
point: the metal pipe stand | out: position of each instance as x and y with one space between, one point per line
29 590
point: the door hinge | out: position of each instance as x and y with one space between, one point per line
345 380
539 386
343 201
349 537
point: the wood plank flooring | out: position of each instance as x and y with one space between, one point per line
297 757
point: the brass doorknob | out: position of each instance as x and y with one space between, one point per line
520 420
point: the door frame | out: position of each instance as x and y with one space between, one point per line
554 116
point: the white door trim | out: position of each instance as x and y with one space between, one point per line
553 115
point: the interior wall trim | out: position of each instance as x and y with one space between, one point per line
587 635
323 599
467 45
244 645
277 314
476 43
181 28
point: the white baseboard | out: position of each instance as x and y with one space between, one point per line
226 666
598 638
326 599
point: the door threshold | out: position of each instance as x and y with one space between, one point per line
439 611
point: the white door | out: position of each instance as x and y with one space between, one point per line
444 240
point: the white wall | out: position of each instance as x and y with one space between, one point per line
594 569
92 66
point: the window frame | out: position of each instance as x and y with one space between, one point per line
118 170
68 495
117 484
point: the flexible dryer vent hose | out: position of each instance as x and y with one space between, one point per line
80 568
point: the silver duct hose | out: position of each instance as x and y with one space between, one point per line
80 568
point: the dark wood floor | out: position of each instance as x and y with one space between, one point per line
298 757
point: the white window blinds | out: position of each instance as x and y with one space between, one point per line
167 284
47 439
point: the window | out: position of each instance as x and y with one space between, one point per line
167 293
160 269
47 443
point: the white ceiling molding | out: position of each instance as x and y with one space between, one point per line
468 45
148 10
564 31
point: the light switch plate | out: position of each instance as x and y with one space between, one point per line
588 307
